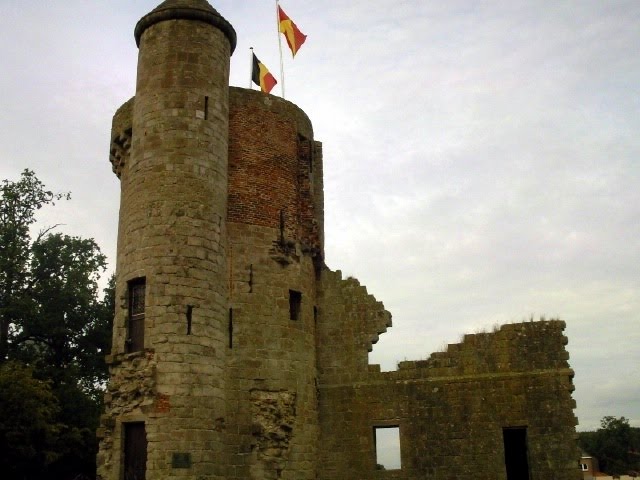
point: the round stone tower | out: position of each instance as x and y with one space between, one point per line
166 402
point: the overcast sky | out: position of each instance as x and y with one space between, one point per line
481 157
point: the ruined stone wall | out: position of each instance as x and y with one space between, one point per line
350 323
452 408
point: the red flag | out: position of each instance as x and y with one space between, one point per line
295 38
261 76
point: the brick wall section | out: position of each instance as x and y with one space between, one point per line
271 148
452 408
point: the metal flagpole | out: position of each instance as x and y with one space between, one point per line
280 47
251 68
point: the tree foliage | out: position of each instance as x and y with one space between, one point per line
615 444
53 320
20 201
29 430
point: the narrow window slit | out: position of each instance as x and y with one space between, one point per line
231 328
189 316
282 227
206 107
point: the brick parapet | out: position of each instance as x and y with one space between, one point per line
274 165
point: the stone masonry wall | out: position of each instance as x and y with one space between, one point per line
271 372
452 408
350 322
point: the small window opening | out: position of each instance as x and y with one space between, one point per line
315 314
206 107
387 446
515 453
231 328
295 302
135 322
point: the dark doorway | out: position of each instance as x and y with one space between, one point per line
515 453
135 451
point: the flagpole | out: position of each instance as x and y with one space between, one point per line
251 68
280 46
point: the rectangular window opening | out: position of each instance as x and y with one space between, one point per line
135 451
135 322
206 108
515 453
386 441
295 302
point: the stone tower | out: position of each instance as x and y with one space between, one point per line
170 328
237 353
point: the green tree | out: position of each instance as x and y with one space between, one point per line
29 431
53 319
614 444
19 202
60 322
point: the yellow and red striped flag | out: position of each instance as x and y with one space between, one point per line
295 38
261 76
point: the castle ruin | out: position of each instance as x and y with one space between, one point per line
237 353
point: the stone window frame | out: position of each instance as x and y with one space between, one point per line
389 424
136 313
